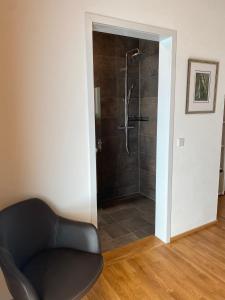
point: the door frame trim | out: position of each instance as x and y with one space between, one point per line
165 119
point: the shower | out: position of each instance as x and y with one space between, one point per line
126 93
133 53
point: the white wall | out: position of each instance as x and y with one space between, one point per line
44 115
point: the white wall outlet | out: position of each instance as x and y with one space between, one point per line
180 142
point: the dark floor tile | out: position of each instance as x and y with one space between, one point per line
125 239
124 214
104 219
133 223
107 246
146 206
144 203
148 216
132 219
140 234
104 236
110 210
114 208
150 229
116 230
144 232
150 193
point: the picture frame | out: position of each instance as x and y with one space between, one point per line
202 79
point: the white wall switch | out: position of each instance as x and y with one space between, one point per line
180 142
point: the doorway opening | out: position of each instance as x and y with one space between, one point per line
123 170
126 97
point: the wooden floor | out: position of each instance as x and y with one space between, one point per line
190 268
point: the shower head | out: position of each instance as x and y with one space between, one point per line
137 53
134 52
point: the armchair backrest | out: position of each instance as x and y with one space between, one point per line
26 228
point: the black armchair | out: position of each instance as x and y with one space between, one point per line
46 257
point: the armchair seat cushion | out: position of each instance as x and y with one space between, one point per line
63 274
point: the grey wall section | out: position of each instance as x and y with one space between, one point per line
120 174
117 172
149 66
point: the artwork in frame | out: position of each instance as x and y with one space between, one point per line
201 86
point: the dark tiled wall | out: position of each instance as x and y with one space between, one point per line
118 173
148 107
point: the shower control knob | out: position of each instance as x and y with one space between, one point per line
99 145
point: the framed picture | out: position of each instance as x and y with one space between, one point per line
201 86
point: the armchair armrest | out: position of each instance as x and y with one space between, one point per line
77 235
17 283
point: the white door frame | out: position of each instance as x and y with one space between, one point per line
166 94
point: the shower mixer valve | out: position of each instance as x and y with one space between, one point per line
99 145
